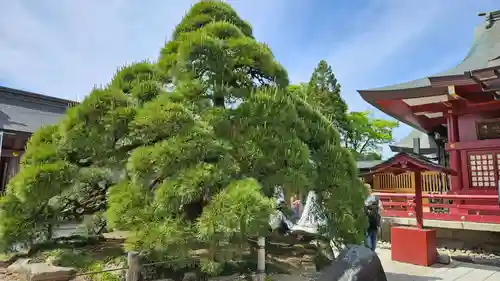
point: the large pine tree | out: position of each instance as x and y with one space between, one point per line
187 151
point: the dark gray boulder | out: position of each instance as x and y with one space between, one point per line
354 263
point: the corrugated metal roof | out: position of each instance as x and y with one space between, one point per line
484 53
26 112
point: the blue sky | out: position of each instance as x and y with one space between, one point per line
64 48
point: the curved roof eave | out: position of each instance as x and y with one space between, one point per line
414 126
402 91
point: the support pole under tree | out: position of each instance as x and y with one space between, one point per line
261 261
2 186
134 267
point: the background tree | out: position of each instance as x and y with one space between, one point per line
367 135
323 93
179 168
325 89
360 133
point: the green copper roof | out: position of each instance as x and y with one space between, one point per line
427 143
484 53
367 164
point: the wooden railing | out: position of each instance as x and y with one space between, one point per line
449 207
432 182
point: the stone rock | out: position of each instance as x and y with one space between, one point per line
190 276
355 263
41 271
226 278
116 235
443 258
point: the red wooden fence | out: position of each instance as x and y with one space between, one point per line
448 207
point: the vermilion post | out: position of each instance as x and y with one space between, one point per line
453 137
418 199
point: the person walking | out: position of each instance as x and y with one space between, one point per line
372 212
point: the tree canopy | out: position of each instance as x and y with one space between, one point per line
359 132
367 135
186 152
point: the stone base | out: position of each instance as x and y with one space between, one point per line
413 245
452 238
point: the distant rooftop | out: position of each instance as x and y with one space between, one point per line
427 143
365 165
35 96
24 111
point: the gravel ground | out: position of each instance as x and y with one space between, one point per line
6 276
274 277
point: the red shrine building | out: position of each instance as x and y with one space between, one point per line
454 182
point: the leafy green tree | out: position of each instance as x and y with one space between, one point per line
176 162
368 156
367 135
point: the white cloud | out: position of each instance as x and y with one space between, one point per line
63 48
383 35
379 31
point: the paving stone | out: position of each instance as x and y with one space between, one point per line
40 271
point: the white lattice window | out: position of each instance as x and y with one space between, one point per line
484 169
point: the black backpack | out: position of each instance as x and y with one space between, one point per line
373 219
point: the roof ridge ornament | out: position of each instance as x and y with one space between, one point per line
491 17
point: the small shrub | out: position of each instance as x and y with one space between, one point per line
104 276
8 257
69 258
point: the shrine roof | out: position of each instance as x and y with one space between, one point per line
483 54
407 162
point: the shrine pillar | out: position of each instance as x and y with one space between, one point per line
455 157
